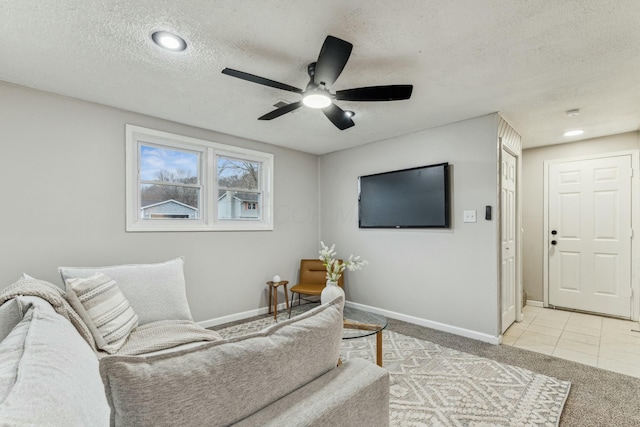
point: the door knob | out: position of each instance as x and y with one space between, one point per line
554 232
553 242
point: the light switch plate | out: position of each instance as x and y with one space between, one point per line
469 216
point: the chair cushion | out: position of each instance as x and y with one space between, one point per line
105 310
155 291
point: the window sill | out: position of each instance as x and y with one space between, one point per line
218 226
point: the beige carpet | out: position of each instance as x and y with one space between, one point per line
433 385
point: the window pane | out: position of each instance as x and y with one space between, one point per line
238 205
168 165
234 173
160 201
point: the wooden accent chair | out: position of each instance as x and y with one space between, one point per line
312 279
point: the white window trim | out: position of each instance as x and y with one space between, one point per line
208 204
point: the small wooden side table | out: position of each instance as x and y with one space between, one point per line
273 295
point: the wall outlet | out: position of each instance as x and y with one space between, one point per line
469 216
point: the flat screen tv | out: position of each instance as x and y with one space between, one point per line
408 198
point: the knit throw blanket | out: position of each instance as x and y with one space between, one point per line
54 296
143 339
162 335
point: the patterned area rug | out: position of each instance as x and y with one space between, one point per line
437 386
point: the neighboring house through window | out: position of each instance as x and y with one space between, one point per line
169 209
178 183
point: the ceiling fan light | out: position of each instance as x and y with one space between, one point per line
316 100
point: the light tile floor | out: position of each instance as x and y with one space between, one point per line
592 340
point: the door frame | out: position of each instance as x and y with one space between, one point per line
635 223
518 235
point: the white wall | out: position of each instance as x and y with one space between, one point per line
532 190
448 276
62 168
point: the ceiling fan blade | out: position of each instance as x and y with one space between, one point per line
331 61
338 117
376 93
260 80
282 110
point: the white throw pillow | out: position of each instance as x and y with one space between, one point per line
105 310
155 291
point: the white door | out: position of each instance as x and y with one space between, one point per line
589 237
508 238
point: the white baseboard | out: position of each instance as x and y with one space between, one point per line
429 324
238 316
533 303
406 318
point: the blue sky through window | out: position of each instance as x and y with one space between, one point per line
154 160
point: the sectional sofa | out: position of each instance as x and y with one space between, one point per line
168 370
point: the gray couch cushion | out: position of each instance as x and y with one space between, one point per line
10 315
155 291
11 312
11 350
354 394
225 381
57 380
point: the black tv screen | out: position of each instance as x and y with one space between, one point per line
408 198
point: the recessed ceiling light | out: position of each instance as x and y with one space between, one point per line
575 132
573 112
316 100
169 41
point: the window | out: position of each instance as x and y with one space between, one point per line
237 188
170 182
177 183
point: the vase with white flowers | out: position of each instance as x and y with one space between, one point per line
335 269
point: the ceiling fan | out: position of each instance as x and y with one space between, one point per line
322 75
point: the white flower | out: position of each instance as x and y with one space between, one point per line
334 268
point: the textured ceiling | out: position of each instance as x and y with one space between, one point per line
530 59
